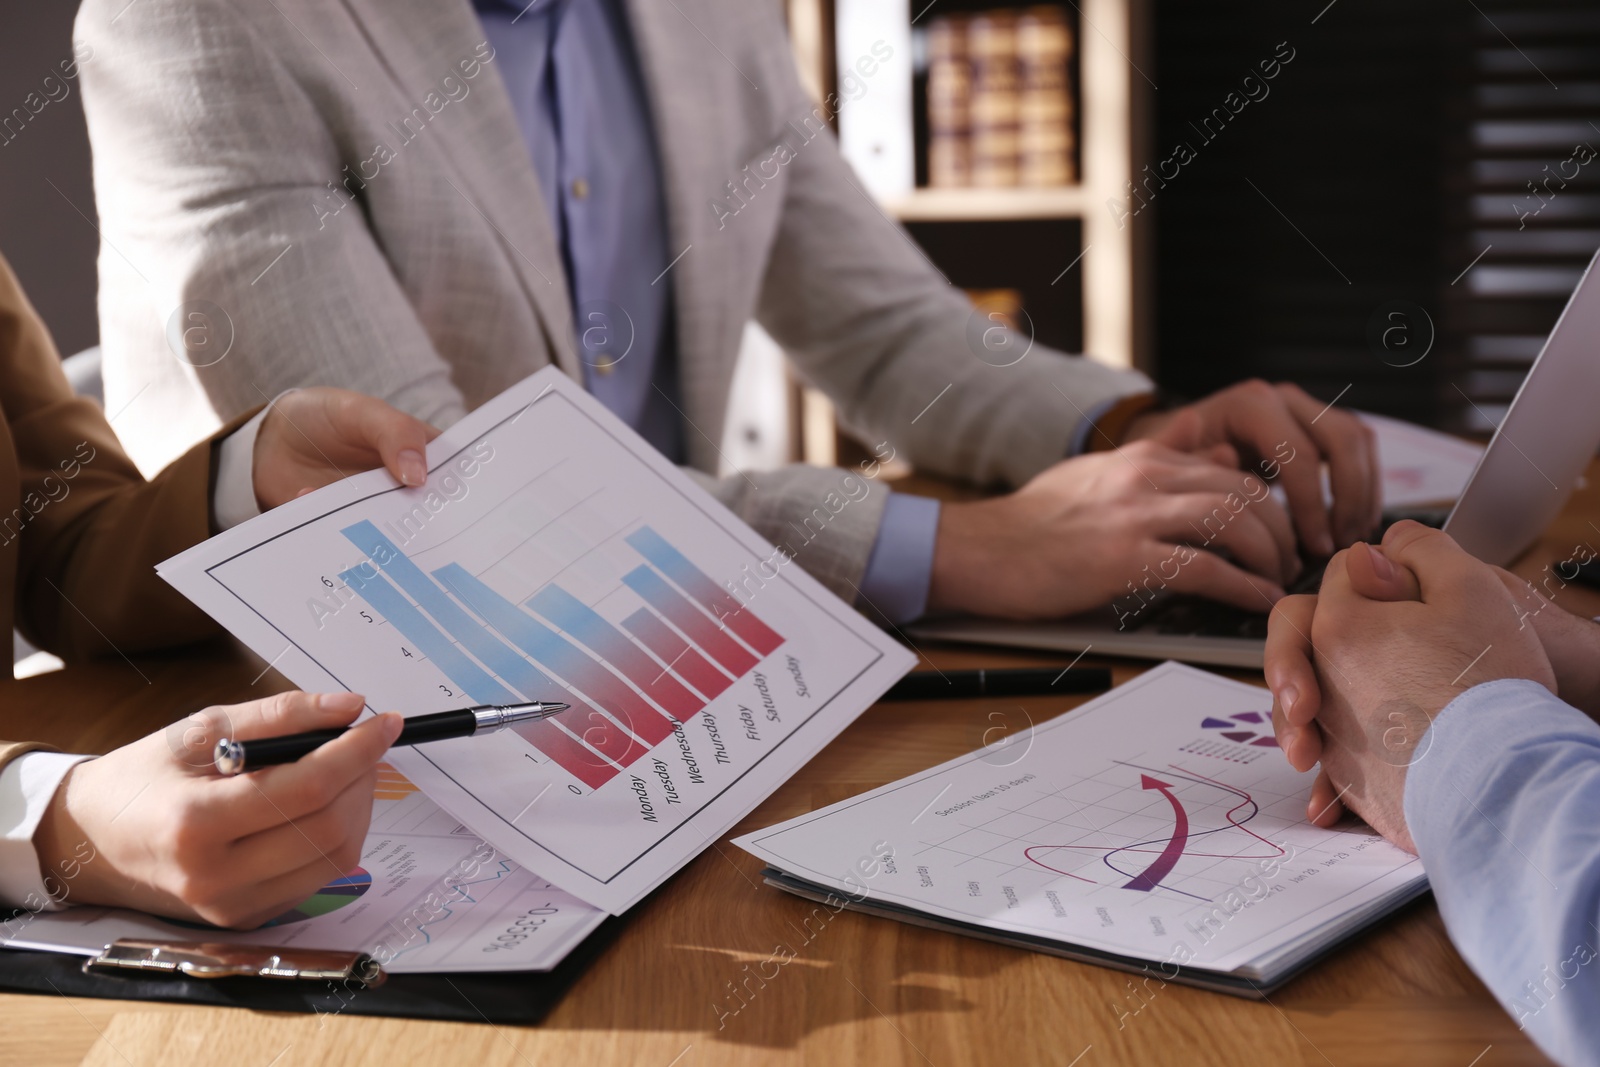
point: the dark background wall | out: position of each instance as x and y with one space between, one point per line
1393 154
44 172
1313 206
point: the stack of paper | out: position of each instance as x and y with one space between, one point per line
1156 829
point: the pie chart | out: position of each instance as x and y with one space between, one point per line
1244 728
330 898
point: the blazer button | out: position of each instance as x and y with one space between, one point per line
580 188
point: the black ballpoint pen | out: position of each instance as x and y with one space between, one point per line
1005 681
236 757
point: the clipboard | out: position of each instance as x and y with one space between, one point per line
514 997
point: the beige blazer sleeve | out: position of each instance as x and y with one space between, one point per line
80 530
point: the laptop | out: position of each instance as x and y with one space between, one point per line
1520 483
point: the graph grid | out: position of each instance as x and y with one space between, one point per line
1155 829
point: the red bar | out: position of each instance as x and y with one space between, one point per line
583 623
626 706
602 735
733 656
578 761
562 657
685 661
757 634
698 584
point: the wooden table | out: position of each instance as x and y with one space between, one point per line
863 990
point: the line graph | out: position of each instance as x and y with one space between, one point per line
1112 834
444 910
1172 848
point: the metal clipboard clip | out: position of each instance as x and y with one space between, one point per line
211 959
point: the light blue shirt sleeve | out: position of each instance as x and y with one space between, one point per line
1504 805
1080 436
900 568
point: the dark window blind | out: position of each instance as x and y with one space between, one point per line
1522 199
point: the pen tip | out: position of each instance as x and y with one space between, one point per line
556 706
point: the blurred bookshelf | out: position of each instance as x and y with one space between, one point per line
1083 280
1412 155
1110 104
974 204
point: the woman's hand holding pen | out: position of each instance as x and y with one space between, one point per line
170 836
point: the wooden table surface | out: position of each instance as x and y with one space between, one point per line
863 990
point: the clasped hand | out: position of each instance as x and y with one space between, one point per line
1360 671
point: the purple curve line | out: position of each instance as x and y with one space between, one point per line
1174 851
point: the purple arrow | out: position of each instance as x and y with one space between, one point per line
1180 836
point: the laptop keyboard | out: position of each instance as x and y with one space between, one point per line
1198 617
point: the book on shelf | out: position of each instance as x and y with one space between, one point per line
1044 45
1000 102
949 104
996 99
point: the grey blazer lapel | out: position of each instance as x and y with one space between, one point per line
419 42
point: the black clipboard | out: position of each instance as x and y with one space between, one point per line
506 997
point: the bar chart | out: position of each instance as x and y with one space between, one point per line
649 680
553 555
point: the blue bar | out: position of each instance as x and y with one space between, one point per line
375 589
457 623
700 628
557 653
616 648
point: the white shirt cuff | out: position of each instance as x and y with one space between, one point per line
27 785
235 497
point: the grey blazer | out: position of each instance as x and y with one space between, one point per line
298 192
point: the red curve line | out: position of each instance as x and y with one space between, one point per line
1027 854
1248 799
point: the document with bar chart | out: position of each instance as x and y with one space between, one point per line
1156 828
553 554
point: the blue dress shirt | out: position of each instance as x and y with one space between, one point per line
1503 802
579 97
